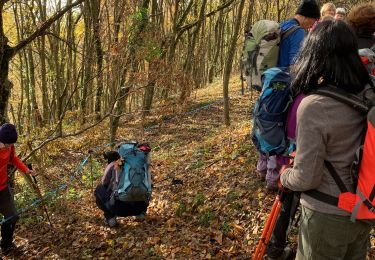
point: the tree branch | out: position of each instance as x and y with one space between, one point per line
191 25
38 32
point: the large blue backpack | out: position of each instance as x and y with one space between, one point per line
270 113
134 178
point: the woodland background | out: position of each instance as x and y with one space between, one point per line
76 75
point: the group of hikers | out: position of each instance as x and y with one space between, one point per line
317 49
314 157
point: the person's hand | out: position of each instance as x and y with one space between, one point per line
282 170
32 172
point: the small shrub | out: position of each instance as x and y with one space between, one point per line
206 218
181 209
198 200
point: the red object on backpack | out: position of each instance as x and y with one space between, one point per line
368 59
361 203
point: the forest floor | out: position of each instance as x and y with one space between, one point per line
218 212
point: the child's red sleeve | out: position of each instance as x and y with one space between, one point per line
17 162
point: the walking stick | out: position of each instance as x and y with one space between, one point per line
91 174
39 193
269 226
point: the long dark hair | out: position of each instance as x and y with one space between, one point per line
329 55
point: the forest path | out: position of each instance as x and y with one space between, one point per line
217 212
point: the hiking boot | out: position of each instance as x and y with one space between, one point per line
286 254
262 175
111 222
140 217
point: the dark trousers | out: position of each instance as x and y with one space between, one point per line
278 239
120 208
8 209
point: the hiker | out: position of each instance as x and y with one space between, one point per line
362 19
104 194
327 11
8 136
306 15
326 231
340 14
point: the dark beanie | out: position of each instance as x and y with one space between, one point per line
309 8
8 134
111 156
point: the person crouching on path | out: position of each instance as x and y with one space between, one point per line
103 192
323 134
8 136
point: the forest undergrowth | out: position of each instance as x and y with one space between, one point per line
217 212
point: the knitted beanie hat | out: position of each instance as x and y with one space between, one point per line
8 134
309 8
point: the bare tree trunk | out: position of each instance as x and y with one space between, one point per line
34 104
188 66
218 46
139 27
229 62
95 12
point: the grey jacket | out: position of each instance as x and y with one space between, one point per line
326 130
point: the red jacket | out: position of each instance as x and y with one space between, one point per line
5 157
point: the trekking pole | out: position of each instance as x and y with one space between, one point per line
91 175
268 228
39 193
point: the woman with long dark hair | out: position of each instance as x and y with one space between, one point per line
327 130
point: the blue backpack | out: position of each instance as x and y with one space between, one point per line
270 113
134 178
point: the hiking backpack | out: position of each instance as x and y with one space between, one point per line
361 203
133 179
261 50
368 58
270 113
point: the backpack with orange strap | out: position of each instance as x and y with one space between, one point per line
361 203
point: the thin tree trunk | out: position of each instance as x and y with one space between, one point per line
229 62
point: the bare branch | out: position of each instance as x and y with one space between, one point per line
38 32
191 25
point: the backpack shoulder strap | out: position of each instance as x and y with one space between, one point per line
285 34
343 96
321 196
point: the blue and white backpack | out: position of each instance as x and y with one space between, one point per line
270 113
133 179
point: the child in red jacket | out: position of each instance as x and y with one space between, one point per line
8 136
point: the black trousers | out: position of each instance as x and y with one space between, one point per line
8 209
278 239
120 208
